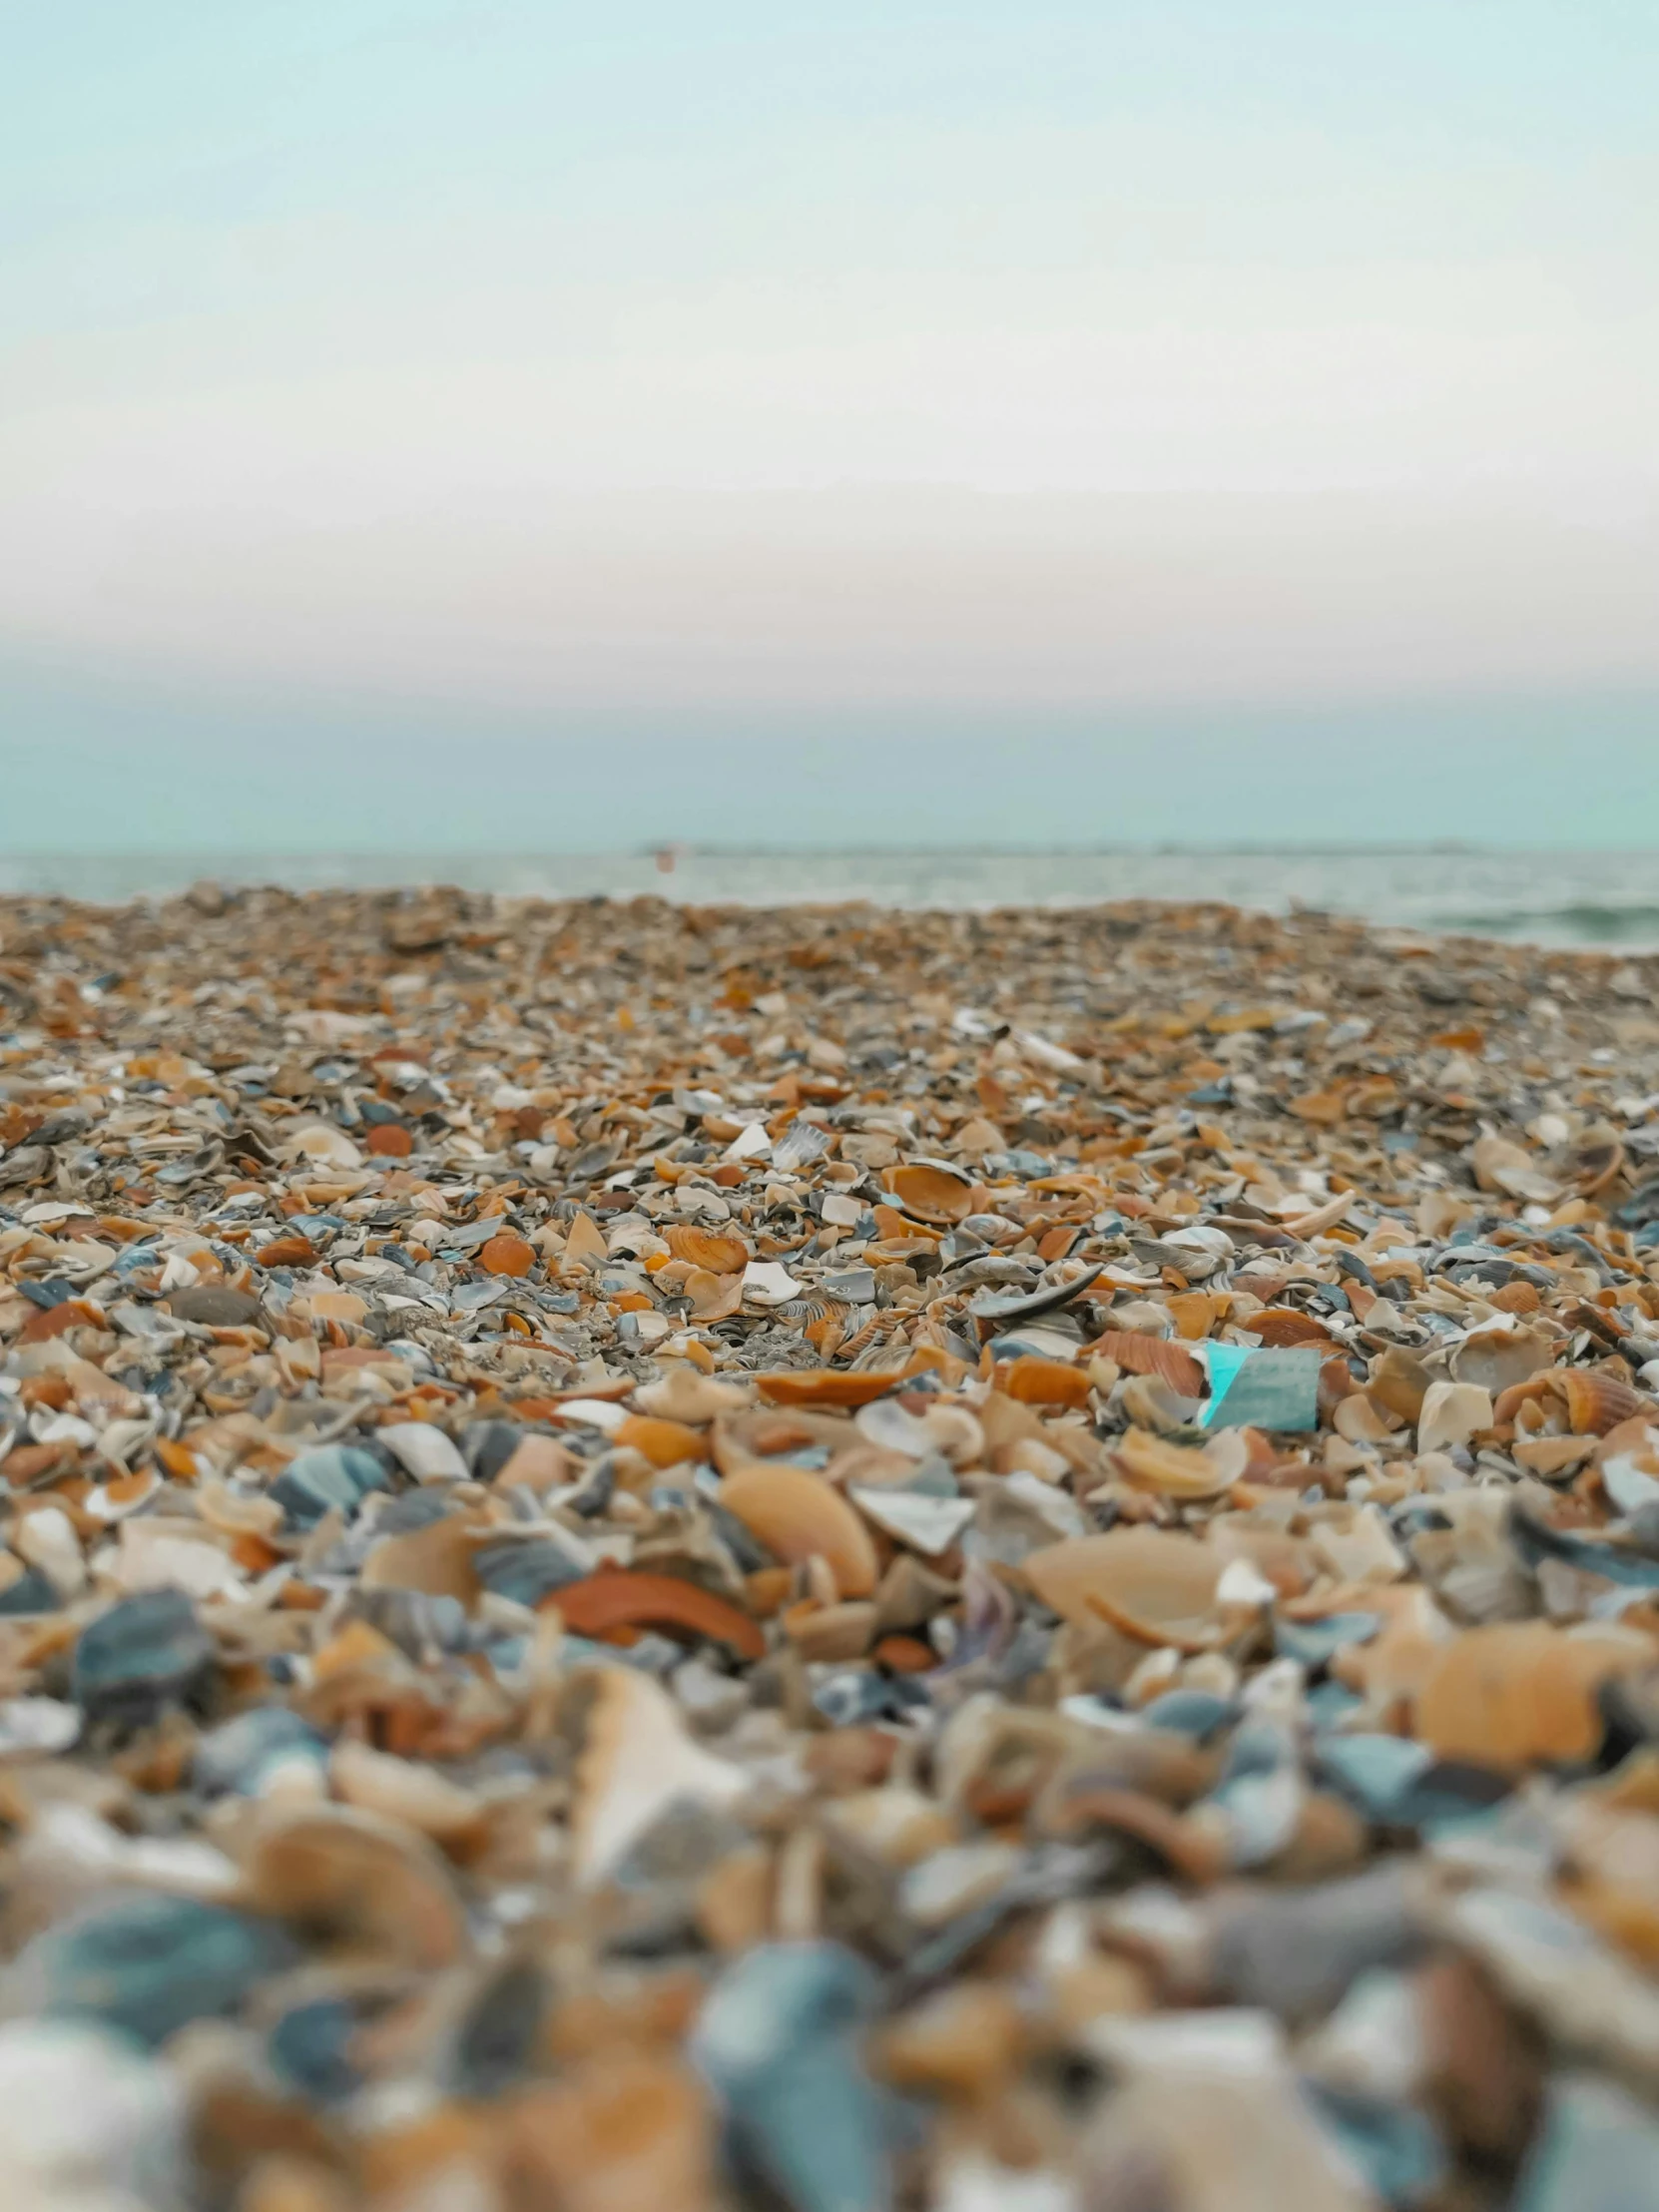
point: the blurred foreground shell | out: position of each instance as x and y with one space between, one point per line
1154 1585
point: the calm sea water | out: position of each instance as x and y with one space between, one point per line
1592 898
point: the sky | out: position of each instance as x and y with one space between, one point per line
511 422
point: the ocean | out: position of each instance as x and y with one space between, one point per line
1562 899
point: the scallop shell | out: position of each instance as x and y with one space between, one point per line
702 1247
1596 1402
929 1190
1137 1354
1150 1583
636 1762
797 1515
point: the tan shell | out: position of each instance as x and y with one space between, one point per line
713 1297
361 1882
796 1514
636 1762
1151 1583
624 2130
929 1192
1176 1471
702 1247
1522 1692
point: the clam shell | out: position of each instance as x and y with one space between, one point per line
1033 1381
797 1515
1153 1584
666 1444
702 1247
932 1191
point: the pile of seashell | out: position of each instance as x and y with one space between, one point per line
824 1560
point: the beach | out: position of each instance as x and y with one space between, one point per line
829 1556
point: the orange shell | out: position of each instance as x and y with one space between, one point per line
701 1248
932 1193
1597 1402
614 1598
1280 1326
390 1140
824 1387
1138 1355
664 1442
796 1514
1036 1382
1153 1584
506 1254
1516 1693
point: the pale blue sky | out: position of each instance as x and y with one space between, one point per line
393 377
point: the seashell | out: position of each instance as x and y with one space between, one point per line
931 1190
1499 1358
777 2041
995 1309
1399 1382
142 1654
797 1515
1033 1381
1501 1166
1514 1694
330 1479
617 2133
713 1297
145 1966
404 1790
423 1451
1518 1296
666 1444
1152 1585
358 1881
1596 1402
440 1560
702 1247
506 1254
1173 1470
1595 1160
1451 1414
684 1395
636 1762
1158 1356
824 1386
927 1524
265 1752
1282 1325
613 1599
